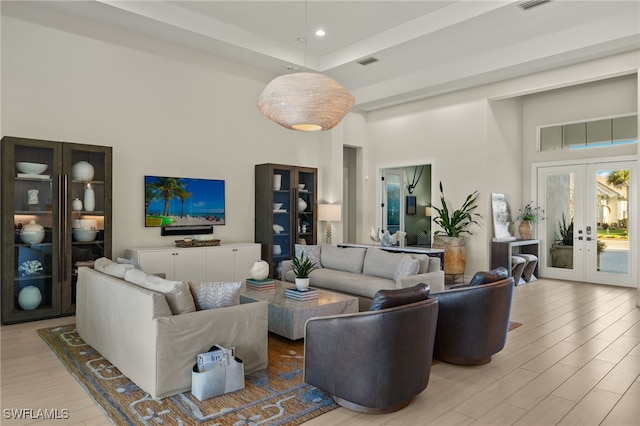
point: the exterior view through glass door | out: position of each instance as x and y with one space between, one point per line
590 229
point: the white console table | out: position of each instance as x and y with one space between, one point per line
226 262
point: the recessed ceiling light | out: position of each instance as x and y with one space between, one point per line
320 33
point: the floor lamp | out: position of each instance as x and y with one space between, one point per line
329 213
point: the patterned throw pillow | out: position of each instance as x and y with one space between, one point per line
407 266
312 252
210 295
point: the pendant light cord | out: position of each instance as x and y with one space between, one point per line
306 31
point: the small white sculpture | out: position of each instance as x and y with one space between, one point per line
388 240
278 228
260 270
32 195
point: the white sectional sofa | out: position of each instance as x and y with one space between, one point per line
134 329
362 272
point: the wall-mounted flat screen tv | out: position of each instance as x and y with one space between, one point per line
172 201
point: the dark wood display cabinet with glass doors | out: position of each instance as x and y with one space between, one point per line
56 217
286 211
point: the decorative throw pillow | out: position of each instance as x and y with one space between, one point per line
390 298
110 267
176 292
312 252
210 295
407 266
423 262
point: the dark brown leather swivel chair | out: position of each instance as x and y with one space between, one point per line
473 322
373 361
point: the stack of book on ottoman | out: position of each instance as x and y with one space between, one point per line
294 293
260 285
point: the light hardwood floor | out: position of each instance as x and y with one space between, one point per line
574 361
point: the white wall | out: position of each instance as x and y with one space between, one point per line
164 110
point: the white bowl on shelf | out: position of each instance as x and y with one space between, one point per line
277 206
84 235
31 168
301 186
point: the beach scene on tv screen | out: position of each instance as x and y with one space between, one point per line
171 201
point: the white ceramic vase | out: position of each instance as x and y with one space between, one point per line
302 284
89 199
32 233
76 204
260 270
83 171
302 205
29 298
277 182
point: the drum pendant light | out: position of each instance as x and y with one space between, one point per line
306 101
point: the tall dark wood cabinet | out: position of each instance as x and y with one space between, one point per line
56 216
286 210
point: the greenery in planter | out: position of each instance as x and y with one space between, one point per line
302 266
600 246
456 222
565 235
530 213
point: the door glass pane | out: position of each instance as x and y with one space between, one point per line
393 203
613 221
34 252
560 211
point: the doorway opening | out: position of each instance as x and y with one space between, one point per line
405 192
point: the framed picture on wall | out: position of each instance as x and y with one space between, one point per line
411 204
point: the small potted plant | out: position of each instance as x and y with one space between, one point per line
302 267
527 216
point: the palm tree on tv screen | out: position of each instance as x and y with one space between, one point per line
182 194
168 187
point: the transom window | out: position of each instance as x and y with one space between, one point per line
589 134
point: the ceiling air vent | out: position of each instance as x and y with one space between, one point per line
367 61
532 3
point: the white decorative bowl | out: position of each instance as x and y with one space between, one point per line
82 171
90 224
301 186
277 206
84 235
31 168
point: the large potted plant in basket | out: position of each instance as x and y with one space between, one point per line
302 267
454 224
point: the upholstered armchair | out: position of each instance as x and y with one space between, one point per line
373 361
473 322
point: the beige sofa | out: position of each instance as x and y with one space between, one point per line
134 329
361 272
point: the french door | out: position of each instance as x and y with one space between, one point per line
590 229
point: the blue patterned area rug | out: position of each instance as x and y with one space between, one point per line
274 396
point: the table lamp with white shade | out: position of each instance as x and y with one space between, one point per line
329 213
